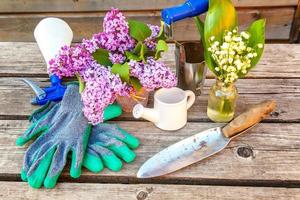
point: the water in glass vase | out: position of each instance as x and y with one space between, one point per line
221 102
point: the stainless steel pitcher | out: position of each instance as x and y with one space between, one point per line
190 66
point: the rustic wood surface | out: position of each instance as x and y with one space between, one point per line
18 27
285 91
33 6
295 31
15 190
279 61
261 164
249 159
19 17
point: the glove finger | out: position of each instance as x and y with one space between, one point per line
38 126
92 161
109 159
37 176
112 111
75 170
129 139
78 153
115 131
118 147
34 130
31 155
57 166
39 113
124 152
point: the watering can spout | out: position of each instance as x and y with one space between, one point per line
190 8
149 114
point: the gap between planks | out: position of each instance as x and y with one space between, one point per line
158 181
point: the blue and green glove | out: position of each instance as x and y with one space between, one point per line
63 129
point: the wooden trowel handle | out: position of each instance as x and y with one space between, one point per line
249 118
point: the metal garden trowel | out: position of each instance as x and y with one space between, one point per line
203 144
50 34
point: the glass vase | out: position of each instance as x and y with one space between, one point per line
222 102
127 103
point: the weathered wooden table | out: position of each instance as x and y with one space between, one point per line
262 164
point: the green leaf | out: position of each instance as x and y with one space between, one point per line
135 83
161 35
161 46
132 56
257 36
139 30
81 83
150 53
102 57
122 70
221 16
137 48
140 50
143 52
208 60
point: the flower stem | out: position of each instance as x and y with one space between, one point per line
81 83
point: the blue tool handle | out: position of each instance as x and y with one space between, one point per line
190 8
53 93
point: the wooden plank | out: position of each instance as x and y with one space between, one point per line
66 191
31 6
268 154
295 31
20 27
286 92
24 59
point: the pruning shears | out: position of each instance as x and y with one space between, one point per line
50 34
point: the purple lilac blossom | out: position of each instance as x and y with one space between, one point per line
116 30
69 61
101 90
153 74
151 41
117 58
126 91
90 45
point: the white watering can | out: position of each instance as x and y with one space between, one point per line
170 108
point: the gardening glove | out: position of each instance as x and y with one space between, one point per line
107 143
63 129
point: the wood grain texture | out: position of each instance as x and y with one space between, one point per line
24 59
20 27
17 190
31 6
15 97
268 153
295 30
